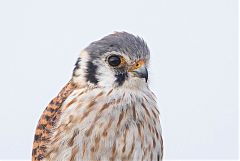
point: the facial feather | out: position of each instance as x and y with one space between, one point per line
94 68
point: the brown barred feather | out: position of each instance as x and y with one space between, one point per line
47 121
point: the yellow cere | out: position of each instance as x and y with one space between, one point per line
137 65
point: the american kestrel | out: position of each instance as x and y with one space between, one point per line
106 112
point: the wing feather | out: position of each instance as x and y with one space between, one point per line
47 121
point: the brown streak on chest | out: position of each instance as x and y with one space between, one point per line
98 116
145 108
134 112
70 103
120 118
84 146
105 132
74 152
132 148
86 113
71 140
125 137
140 134
112 158
109 92
94 148
155 115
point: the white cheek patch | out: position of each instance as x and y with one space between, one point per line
105 76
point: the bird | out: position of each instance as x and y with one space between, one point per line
106 112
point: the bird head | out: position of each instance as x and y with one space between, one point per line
119 59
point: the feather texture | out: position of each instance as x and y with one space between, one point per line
104 113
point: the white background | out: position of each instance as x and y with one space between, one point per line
193 69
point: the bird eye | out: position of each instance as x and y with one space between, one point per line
114 60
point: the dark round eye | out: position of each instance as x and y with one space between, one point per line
114 60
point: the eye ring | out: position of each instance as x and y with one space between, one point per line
114 60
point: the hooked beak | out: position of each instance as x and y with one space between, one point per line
141 72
